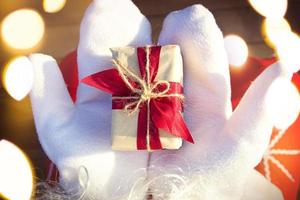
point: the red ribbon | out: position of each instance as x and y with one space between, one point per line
165 112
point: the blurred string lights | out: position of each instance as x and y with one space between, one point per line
19 76
16 182
22 30
276 31
53 6
278 34
271 29
283 111
237 50
270 8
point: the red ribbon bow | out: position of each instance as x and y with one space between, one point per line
158 102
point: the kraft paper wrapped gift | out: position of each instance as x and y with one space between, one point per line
147 97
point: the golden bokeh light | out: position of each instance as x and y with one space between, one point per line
18 77
283 102
270 8
288 49
23 29
53 6
274 30
16 182
237 50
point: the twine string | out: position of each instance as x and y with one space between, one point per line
146 91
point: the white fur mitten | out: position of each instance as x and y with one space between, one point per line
227 145
78 135
220 165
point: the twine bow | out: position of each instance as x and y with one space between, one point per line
132 92
146 91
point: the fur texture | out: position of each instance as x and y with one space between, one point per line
228 145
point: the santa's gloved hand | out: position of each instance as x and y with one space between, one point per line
220 165
78 135
228 146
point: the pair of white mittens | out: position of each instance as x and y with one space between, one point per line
220 165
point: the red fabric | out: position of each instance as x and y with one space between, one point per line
240 81
108 81
69 69
53 175
164 111
241 78
142 129
154 61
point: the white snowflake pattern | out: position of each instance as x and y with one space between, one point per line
270 154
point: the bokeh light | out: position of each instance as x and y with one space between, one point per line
283 103
270 8
53 6
288 51
237 50
274 30
16 182
23 29
18 77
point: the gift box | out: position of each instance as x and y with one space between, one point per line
146 84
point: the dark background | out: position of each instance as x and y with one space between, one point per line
62 33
